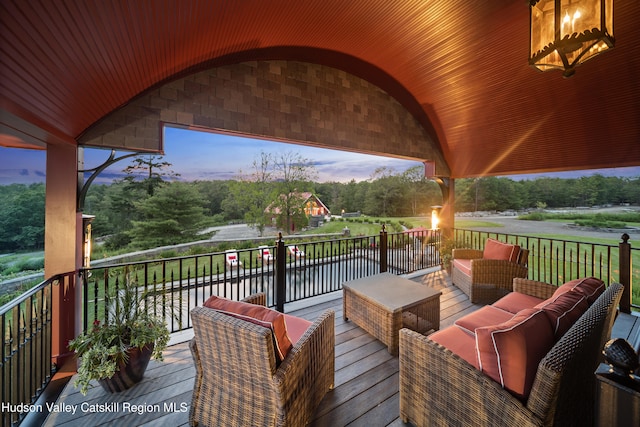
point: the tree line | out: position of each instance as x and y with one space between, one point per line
500 194
151 207
139 213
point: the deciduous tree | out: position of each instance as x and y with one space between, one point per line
255 190
292 175
21 217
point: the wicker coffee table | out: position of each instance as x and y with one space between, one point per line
385 303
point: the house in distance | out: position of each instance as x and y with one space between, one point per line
304 210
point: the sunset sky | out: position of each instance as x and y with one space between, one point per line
210 156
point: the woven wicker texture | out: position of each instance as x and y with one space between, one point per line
421 314
490 279
534 288
438 388
237 381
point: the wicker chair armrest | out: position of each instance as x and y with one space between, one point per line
259 298
437 387
466 253
197 380
534 288
307 373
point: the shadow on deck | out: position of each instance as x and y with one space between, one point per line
366 377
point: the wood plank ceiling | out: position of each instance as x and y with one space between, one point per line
462 64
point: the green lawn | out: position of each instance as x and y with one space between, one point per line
408 222
470 223
355 228
573 238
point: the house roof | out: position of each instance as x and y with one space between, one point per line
459 66
306 195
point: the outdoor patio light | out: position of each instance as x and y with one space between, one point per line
435 211
86 243
565 33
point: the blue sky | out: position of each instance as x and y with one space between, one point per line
210 156
207 156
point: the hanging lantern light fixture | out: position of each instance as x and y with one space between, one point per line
566 33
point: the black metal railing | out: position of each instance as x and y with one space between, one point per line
175 285
26 364
558 261
307 269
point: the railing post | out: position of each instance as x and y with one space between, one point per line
281 265
383 250
63 317
625 273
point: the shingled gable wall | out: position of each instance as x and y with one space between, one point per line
285 100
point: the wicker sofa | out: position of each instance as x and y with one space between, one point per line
439 387
239 378
486 275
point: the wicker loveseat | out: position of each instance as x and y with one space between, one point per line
486 275
239 379
438 387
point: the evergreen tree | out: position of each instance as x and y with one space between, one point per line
174 214
213 194
148 172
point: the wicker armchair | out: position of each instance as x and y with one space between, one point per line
238 382
488 279
439 388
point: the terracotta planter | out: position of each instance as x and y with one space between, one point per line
129 373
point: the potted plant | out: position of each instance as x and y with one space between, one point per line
116 351
447 245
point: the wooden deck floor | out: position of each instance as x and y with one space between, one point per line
366 378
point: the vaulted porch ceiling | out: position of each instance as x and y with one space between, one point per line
459 66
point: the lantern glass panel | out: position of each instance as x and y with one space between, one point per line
578 16
608 7
542 25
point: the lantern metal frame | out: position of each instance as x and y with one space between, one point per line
567 50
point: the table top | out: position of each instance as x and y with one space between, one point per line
391 291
